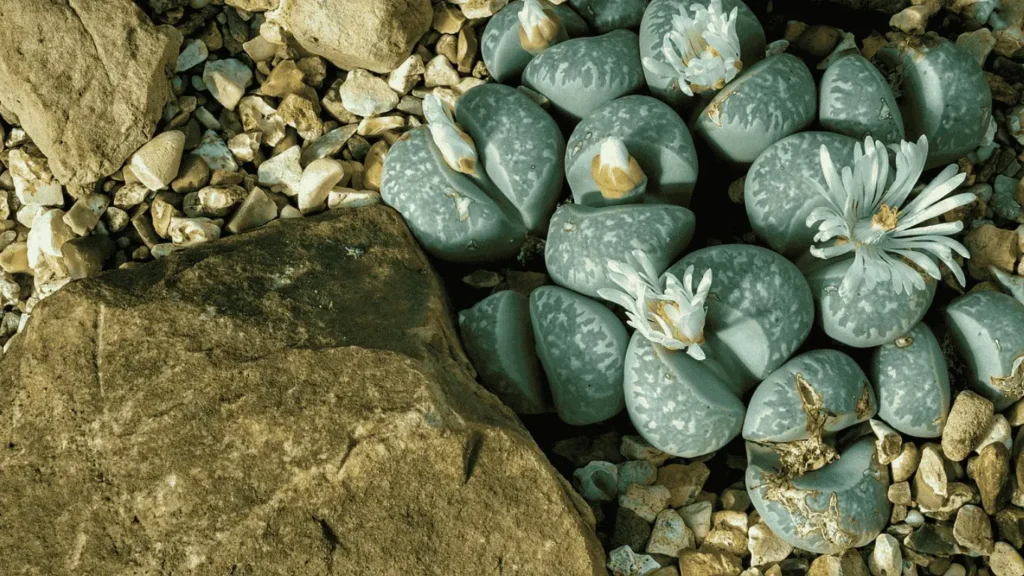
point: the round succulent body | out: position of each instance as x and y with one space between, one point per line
581 74
840 506
759 310
810 396
988 329
913 383
776 195
607 15
769 101
449 212
582 240
943 95
653 134
582 346
856 100
501 45
680 405
498 338
520 146
658 23
871 317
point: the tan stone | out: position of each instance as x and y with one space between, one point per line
245 405
990 246
376 35
684 481
709 562
87 80
1005 561
968 418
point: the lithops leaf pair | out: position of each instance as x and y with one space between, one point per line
632 149
581 74
607 15
856 100
816 496
912 382
677 380
727 38
472 191
988 329
942 94
523 29
767 102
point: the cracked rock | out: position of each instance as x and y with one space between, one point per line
968 419
973 530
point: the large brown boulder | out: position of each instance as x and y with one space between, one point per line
373 34
87 79
290 401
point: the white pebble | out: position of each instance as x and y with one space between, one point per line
156 163
349 198
48 234
886 557
216 153
998 431
227 80
190 231
33 182
364 94
193 54
283 172
318 179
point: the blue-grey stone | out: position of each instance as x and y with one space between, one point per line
654 135
869 319
636 472
520 147
913 383
607 15
786 405
582 346
498 339
840 506
581 74
988 329
856 100
759 310
657 22
448 212
767 102
1004 199
1010 283
679 405
943 95
501 49
582 239
777 195
597 481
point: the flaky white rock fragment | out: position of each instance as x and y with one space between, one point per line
33 182
193 54
349 198
86 213
216 153
48 234
318 179
364 94
888 442
282 173
886 557
407 75
156 163
189 231
227 80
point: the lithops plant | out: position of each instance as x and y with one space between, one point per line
943 94
769 101
856 100
470 192
912 382
692 48
884 280
582 346
499 340
582 239
986 327
581 74
632 149
607 15
523 29
815 495
776 194
698 348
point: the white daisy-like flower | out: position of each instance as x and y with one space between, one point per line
702 50
616 172
670 314
864 217
537 27
456 146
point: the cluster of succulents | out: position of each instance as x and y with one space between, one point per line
855 241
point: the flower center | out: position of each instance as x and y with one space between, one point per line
669 311
886 218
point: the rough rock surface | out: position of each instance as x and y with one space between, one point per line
373 34
87 80
289 401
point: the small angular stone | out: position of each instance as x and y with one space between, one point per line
709 562
85 213
630 530
191 231
284 79
85 256
685 482
968 418
156 163
245 146
303 114
849 563
973 530
624 562
998 430
282 173
14 258
904 466
33 181
698 518
364 94
597 481
227 80
636 472
218 201
886 557
646 501
256 210
216 153
765 546
899 493
329 145
192 54
318 179
991 472
48 234
670 535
